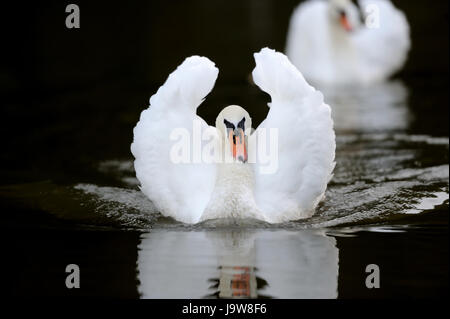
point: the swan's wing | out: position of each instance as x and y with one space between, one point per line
307 44
385 41
306 141
178 183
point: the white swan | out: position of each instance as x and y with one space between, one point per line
344 42
233 185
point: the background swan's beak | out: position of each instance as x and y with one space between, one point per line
345 24
237 142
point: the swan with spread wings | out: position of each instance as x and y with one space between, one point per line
236 184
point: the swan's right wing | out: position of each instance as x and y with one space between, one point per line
294 179
168 141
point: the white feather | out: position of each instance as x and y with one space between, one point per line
306 141
181 191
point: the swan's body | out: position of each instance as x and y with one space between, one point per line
233 185
337 42
233 193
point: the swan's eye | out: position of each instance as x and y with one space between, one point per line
241 124
228 124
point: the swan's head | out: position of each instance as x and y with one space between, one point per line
345 14
234 123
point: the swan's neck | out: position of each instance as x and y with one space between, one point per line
343 53
340 39
235 176
233 193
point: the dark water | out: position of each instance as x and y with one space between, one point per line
68 193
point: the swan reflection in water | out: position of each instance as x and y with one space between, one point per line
237 264
380 107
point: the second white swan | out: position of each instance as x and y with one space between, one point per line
344 42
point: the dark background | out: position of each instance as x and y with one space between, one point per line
71 97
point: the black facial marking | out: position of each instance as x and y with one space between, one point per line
360 10
241 124
356 3
228 124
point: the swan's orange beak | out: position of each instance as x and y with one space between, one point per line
345 24
236 139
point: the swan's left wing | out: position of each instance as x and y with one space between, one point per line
168 141
298 139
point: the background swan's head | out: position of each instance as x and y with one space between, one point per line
345 14
235 123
